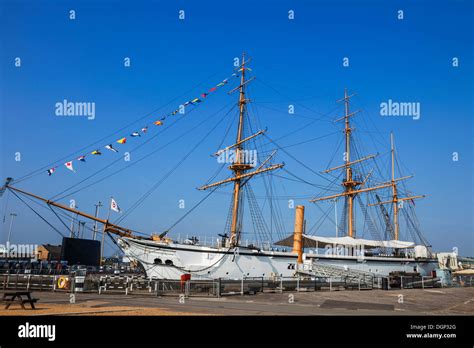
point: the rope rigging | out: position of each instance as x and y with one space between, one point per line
75 153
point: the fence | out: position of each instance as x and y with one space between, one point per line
139 285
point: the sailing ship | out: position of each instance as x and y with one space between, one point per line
165 258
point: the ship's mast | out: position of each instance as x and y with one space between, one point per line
394 189
395 201
239 167
352 187
349 183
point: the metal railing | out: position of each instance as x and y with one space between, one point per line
139 285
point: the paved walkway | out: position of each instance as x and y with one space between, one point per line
454 301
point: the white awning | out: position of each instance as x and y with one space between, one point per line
322 242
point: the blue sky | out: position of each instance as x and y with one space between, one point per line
173 60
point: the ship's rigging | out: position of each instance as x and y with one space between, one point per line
356 176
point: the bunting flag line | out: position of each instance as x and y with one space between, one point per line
69 166
110 147
194 102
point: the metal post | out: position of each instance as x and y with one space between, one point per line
281 284
330 284
242 287
422 282
97 206
298 283
10 229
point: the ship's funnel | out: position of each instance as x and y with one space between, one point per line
298 233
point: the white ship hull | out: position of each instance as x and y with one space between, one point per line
170 261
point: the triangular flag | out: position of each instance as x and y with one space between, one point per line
204 95
51 171
69 166
196 100
135 134
82 158
212 89
122 141
114 206
109 147
96 152
144 129
158 123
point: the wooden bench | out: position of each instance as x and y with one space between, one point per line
10 298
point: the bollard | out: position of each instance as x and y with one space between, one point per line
281 284
298 284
